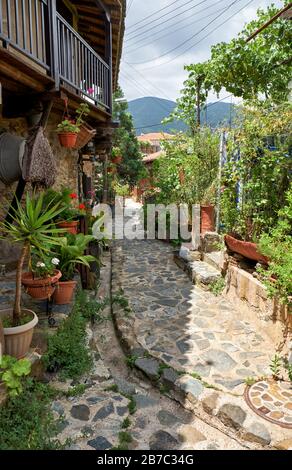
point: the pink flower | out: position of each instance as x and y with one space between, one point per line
90 91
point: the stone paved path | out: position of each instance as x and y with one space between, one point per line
94 420
187 327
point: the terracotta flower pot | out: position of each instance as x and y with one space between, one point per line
70 226
247 249
68 139
207 219
17 339
111 170
40 288
63 294
117 159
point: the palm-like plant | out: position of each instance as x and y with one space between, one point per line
71 252
32 227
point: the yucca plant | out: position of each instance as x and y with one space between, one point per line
31 227
71 252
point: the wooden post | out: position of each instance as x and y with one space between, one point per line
108 55
53 42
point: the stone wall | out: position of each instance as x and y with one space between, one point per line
243 286
67 164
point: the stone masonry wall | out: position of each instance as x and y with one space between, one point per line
67 164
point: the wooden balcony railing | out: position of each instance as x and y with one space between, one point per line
36 30
80 67
24 25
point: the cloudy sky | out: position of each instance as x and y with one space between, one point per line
159 43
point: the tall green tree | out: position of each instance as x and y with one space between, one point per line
132 167
259 67
193 97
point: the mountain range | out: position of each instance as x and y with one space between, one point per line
148 112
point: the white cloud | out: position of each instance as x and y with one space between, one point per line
166 80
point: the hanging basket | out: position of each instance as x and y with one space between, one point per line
85 135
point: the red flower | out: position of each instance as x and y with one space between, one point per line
82 207
73 196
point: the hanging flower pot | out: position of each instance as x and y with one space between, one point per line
207 219
247 249
85 135
68 139
71 226
40 288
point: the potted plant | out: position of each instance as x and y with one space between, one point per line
32 227
116 156
208 210
40 283
71 253
69 129
72 208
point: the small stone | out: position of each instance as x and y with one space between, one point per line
148 366
94 400
183 346
141 422
286 444
192 387
58 408
125 387
162 440
100 443
202 344
169 376
190 435
167 419
104 412
257 432
232 415
230 384
81 412
219 359
122 410
210 402
142 401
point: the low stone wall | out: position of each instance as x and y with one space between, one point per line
243 286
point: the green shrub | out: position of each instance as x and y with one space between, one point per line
277 246
27 422
67 349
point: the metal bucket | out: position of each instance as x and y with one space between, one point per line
12 149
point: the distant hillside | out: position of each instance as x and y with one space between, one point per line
150 110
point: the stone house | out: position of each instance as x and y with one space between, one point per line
58 54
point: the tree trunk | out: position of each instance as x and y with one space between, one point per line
17 307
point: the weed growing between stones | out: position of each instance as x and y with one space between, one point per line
125 439
275 366
76 391
27 421
121 300
126 423
113 388
250 381
164 389
217 287
130 360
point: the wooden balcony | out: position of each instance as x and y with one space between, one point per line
38 38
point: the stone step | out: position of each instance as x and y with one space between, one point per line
202 273
214 259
